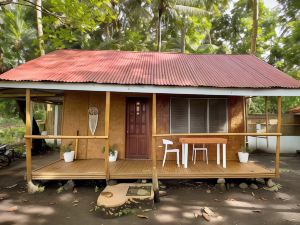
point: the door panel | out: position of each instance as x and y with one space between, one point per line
137 128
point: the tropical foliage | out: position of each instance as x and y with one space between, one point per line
191 26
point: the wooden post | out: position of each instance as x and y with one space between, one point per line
76 144
154 168
267 119
28 140
277 160
107 115
245 121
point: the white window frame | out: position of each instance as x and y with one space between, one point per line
189 114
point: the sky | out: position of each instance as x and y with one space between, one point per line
270 3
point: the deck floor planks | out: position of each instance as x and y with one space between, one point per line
142 169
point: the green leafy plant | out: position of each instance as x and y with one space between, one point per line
111 150
245 149
67 148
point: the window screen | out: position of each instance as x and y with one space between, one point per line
217 115
197 115
179 115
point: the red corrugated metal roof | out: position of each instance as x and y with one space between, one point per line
152 68
295 110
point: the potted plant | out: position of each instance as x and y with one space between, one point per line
68 153
243 155
113 154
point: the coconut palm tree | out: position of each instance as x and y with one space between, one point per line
16 36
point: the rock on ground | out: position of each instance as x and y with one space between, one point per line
270 183
253 186
243 186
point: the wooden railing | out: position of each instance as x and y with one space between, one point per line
218 134
65 137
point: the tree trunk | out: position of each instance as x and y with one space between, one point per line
39 26
183 38
37 144
159 31
254 26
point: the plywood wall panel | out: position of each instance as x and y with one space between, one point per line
76 118
94 147
117 130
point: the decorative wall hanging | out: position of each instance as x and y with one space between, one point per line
93 119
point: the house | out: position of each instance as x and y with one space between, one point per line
142 98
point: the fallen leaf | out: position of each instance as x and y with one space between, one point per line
208 211
75 204
146 210
253 194
11 186
75 191
262 198
91 210
12 209
24 200
142 216
206 216
97 188
92 203
208 191
217 200
256 211
52 203
75 201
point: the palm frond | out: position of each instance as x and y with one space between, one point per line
191 11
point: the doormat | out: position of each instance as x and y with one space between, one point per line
139 191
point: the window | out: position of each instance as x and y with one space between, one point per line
195 115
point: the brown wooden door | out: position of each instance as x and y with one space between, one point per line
137 128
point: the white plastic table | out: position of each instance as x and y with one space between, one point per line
205 140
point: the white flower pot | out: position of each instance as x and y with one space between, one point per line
69 156
113 158
243 157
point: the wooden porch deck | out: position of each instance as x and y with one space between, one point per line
141 169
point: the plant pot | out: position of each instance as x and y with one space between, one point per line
69 156
113 157
243 157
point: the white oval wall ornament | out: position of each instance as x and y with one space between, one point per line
93 119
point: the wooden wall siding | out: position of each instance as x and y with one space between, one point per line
75 117
117 129
94 147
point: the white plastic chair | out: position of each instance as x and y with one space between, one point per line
203 149
166 143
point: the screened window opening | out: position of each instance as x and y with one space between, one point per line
194 115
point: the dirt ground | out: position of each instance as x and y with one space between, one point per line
233 206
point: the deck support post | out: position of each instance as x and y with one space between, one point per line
267 119
279 120
245 121
107 117
28 140
154 168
